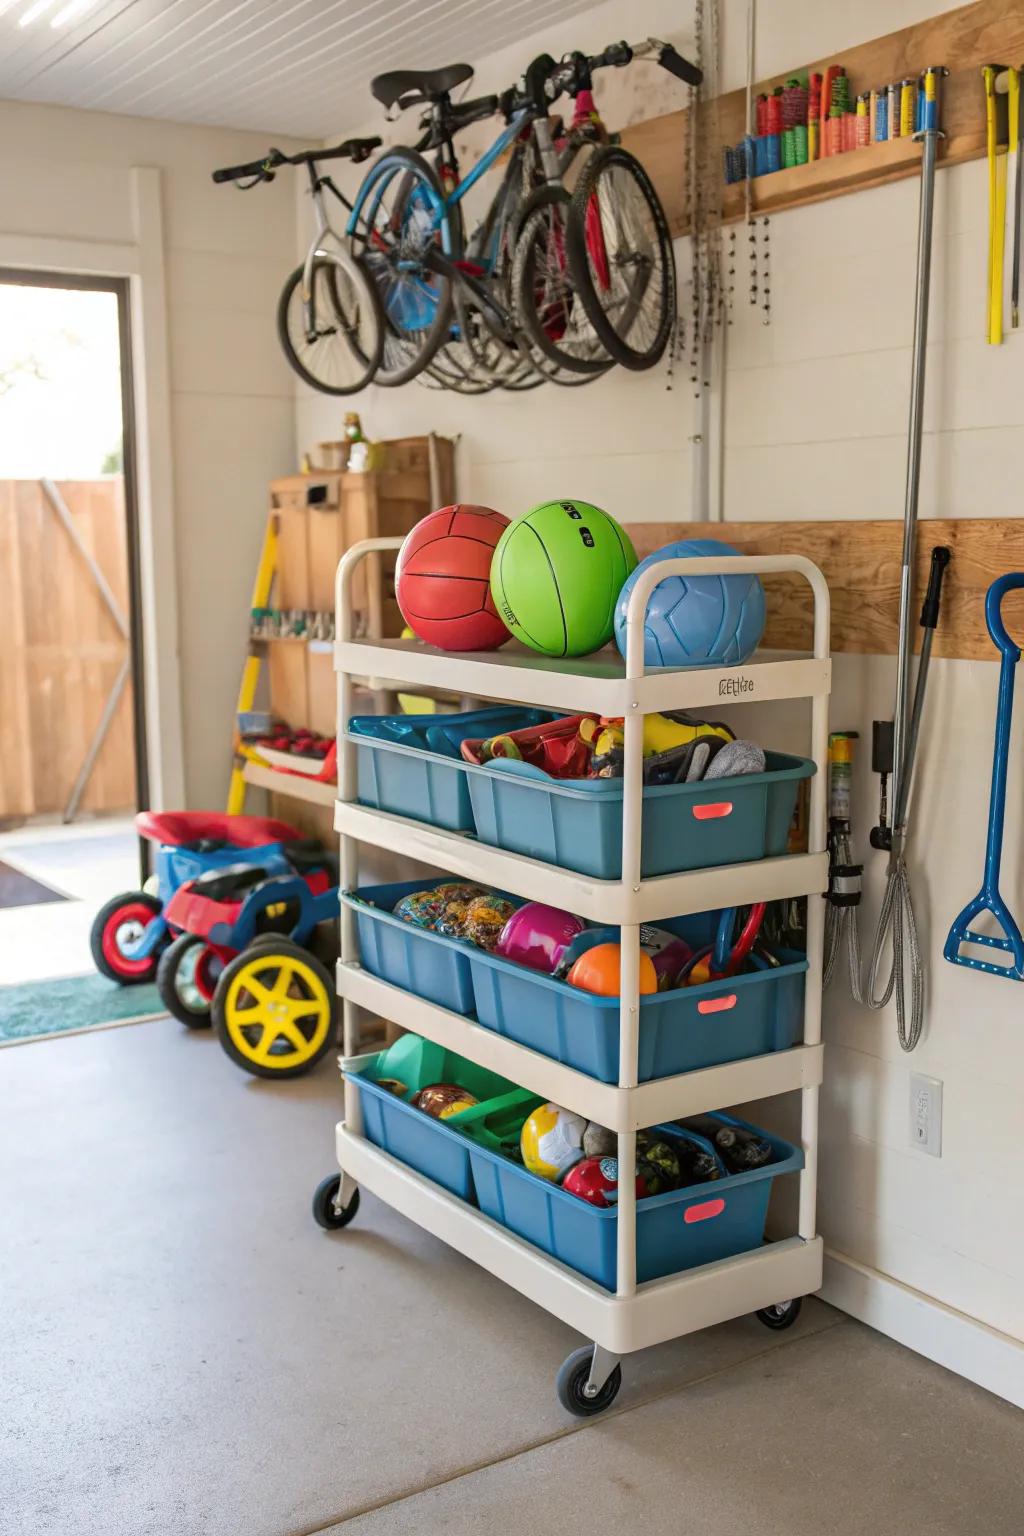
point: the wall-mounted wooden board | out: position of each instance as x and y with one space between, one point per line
986 32
862 562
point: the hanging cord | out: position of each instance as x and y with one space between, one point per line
897 925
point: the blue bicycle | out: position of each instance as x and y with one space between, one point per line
514 302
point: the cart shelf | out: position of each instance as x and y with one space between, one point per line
620 1109
580 684
606 901
296 785
659 1310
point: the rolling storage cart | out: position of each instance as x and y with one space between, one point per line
769 1279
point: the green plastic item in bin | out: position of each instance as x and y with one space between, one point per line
499 1124
417 1063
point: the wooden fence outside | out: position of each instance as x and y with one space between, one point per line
62 649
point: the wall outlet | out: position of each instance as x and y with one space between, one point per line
926 1113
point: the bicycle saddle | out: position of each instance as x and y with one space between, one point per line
424 84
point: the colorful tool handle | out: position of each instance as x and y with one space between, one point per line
993 613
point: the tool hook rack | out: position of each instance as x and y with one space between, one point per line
768 1280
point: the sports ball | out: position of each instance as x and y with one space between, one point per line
442 579
436 1098
596 1179
659 1163
556 577
599 1141
696 621
597 970
538 935
485 920
552 1140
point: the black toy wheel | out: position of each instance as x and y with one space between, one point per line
783 1315
325 1212
120 922
571 1382
186 978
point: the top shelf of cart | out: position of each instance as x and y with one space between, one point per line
603 683
581 684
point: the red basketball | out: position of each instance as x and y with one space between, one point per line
443 579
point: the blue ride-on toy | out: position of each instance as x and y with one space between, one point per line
130 931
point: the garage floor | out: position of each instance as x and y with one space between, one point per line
186 1354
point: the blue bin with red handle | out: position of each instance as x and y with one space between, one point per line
577 823
676 1231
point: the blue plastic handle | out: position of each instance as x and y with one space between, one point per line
993 612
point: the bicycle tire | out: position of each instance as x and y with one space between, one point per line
408 347
366 352
624 341
548 314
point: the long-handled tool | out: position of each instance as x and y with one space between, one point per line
997 134
897 925
1017 171
989 898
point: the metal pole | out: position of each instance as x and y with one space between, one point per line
930 137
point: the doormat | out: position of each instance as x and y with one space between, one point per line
37 1008
20 890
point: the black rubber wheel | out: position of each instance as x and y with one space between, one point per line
179 993
130 907
572 1378
783 1315
285 1023
324 1212
631 301
547 305
346 351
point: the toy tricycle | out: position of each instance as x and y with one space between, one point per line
130 931
241 961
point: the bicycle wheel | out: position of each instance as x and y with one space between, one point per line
546 303
332 335
396 226
620 257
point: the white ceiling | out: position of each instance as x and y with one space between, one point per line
300 67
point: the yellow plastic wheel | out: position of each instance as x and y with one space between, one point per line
274 1009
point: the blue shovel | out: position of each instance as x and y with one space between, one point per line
988 898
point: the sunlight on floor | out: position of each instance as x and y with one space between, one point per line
87 863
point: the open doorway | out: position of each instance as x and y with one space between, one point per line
73 769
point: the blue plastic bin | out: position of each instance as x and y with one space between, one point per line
410 764
413 958
577 823
675 1231
680 1031
430 1146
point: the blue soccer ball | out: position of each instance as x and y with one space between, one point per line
696 621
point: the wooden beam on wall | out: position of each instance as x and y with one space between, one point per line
986 32
862 562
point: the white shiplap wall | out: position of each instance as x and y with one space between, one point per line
815 417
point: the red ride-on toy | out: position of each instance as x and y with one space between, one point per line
130 931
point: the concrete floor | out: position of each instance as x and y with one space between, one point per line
185 1354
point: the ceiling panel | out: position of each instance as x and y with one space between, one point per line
300 67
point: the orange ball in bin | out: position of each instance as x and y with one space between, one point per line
597 970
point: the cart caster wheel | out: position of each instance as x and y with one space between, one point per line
571 1385
325 1212
783 1315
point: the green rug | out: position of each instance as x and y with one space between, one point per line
73 1002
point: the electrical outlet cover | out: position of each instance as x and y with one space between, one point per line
926 1113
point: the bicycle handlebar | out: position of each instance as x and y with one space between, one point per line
355 150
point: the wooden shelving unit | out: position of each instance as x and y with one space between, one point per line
989 31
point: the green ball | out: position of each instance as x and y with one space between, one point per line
556 576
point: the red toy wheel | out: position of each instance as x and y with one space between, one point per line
119 923
187 977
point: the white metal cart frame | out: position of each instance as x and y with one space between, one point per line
635 1315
